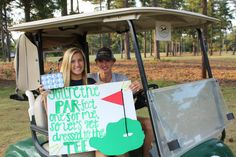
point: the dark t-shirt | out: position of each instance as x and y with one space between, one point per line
80 82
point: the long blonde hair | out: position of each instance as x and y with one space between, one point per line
66 65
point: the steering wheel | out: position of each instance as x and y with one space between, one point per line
141 92
140 98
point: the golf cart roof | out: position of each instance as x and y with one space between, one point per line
144 18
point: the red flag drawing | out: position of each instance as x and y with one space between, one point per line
116 98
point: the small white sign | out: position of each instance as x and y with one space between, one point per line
163 31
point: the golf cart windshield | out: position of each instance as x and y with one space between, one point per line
187 115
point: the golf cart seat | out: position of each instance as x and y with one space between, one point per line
38 123
39 127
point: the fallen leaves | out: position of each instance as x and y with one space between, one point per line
177 70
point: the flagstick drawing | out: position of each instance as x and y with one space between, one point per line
126 126
117 98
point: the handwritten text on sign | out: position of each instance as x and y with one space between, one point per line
78 113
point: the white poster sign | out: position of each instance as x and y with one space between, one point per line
90 117
163 31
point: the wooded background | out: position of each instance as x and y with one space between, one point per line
220 37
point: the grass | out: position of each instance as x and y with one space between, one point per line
230 99
226 57
14 119
15 123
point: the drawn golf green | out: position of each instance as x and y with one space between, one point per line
117 141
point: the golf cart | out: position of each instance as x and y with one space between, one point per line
187 119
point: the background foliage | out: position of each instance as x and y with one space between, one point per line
220 37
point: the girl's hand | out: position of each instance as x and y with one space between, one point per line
136 86
44 94
41 89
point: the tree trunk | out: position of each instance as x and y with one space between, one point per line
151 47
204 12
2 48
5 40
181 46
127 44
121 47
172 48
167 48
27 8
101 41
157 43
221 44
157 54
63 7
211 42
234 43
194 51
101 34
109 35
108 4
155 3
7 35
145 45
71 7
78 6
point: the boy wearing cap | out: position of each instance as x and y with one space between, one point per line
105 61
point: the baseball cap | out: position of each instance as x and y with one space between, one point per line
104 54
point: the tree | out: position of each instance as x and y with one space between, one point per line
127 40
27 5
204 12
5 42
173 4
97 2
221 11
123 4
156 43
39 11
145 3
231 38
36 10
62 5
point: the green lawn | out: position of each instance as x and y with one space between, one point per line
230 99
14 119
225 57
15 123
